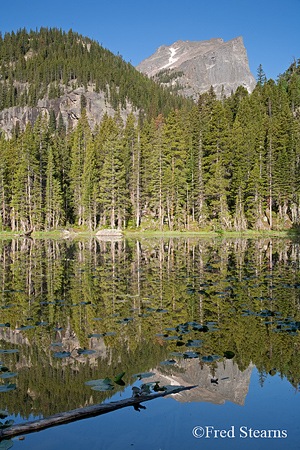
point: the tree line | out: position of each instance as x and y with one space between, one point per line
228 164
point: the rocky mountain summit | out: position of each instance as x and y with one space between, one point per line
191 67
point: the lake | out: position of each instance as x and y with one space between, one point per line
85 321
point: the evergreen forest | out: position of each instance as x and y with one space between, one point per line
221 164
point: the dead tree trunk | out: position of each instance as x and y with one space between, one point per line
81 413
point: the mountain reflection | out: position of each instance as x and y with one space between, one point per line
129 305
228 382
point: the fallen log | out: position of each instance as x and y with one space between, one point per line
82 413
27 233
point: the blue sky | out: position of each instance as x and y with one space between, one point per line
135 29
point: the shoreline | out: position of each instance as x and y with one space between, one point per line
65 234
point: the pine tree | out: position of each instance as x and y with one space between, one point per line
40 134
174 176
61 128
52 121
89 181
54 199
80 139
62 162
283 175
113 186
295 169
153 167
193 163
25 191
258 126
254 197
3 183
261 77
132 165
216 166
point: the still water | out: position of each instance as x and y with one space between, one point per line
219 314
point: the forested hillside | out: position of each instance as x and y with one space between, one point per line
41 63
224 164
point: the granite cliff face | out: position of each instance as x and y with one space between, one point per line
68 105
194 66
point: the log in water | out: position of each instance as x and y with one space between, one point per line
82 413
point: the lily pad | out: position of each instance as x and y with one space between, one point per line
170 387
168 362
194 343
7 387
151 384
6 444
203 328
143 375
118 379
84 351
13 350
157 388
145 389
25 327
190 355
6 424
8 375
101 385
98 382
172 338
3 414
61 354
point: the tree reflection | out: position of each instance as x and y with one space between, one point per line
133 294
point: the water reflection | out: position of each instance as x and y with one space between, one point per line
137 303
226 383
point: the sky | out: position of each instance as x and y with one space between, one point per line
135 28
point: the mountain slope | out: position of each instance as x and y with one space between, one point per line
40 66
192 67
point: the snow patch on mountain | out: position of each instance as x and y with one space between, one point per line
172 60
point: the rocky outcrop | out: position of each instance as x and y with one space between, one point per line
195 66
109 234
68 105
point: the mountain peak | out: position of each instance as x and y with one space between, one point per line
200 64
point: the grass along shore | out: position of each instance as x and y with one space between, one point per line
84 234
